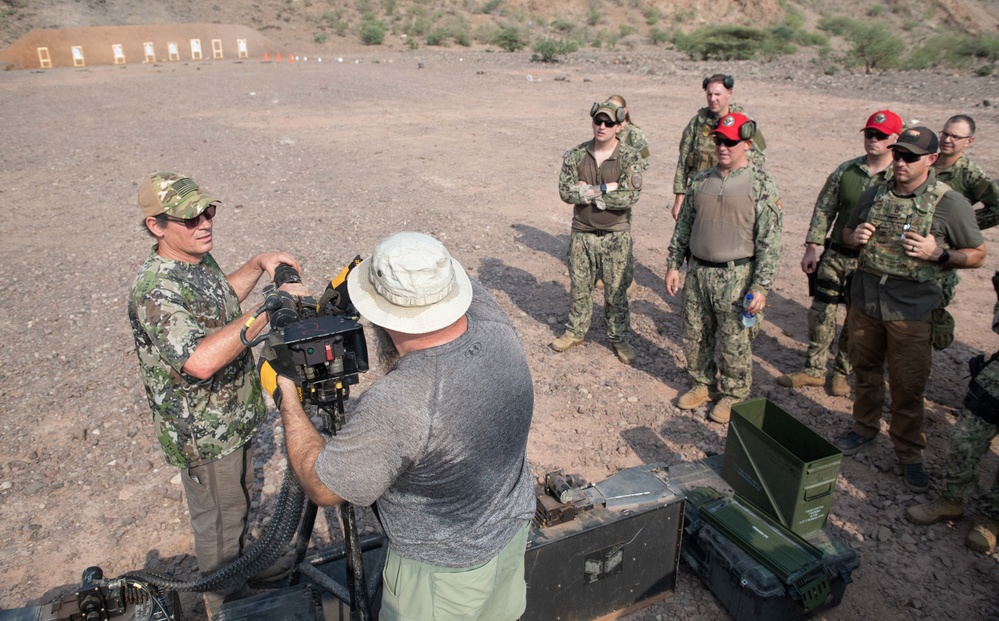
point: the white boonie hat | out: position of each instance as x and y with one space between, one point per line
410 284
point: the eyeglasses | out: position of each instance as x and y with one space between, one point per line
906 156
873 134
605 122
191 223
950 136
719 141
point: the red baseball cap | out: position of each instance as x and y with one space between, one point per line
729 125
885 121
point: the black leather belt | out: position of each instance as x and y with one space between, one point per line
731 263
597 232
843 250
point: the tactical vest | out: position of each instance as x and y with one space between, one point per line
892 217
852 184
702 152
725 218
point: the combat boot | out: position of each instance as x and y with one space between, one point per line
799 379
840 386
982 537
624 352
722 411
565 341
936 511
698 395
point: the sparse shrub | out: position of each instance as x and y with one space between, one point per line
657 36
874 46
563 25
985 70
509 39
388 6
874 11
372 32
625 29
437 36
547 50
319 38
831 70
909 24
593 17
652 16
838 26
794 19
731 43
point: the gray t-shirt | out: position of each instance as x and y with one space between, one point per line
440 442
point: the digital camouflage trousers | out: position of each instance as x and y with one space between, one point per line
609 256
832 281
970 440
712 315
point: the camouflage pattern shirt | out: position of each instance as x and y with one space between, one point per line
633 136
173 305
611 211
839 196
968 178
697 147
766 229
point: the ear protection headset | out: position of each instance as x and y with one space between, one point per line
619 112
727 81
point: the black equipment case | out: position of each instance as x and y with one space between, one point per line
801 576
608 559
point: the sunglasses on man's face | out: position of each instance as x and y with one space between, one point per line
191 223
906 156
604 121
875 134
719 141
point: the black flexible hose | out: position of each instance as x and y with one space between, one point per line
271 546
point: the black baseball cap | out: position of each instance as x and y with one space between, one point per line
919 140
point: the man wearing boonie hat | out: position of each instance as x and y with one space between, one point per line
438 443
697 149
907 230
954 168
200 381
601 178
729 232
830 274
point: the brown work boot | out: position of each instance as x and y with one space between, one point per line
565 341
722 410
935 511
698 395
624 352
799 379
840 386
982 537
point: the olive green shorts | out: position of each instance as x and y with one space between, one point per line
493 591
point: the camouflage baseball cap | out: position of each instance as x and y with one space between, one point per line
608 109
172 194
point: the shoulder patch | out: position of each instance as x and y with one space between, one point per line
565 155
636 180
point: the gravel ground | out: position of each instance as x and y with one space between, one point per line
324 159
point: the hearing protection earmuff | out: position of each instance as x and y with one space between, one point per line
619 112
728 82
746 132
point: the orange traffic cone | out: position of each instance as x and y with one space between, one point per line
291 59
266 57
279 58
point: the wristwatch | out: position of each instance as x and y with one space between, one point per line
603 188
944 257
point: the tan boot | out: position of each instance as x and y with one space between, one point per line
722 411
624 352
698 395
935 511
565 341
840 386
982 537
799 379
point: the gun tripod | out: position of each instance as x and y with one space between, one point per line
356 593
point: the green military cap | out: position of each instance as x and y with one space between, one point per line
172 194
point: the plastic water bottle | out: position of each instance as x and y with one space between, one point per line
748 318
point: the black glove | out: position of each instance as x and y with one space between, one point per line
995 283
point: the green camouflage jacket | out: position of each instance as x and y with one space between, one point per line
766 230
836 201
633 136
629 183
172 306
697 148
974 184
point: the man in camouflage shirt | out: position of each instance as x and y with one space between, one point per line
833 271
601 179
697 149
970 440
955 169
729 230
200 380
907 231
